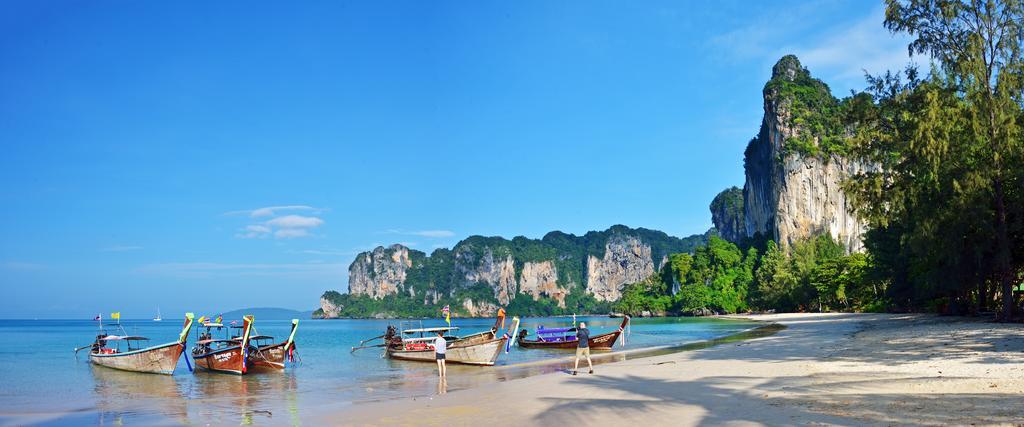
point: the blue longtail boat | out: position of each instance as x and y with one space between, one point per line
565 338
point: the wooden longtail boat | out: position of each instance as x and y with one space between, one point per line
157 359
482 348
224 355
269 356
565 338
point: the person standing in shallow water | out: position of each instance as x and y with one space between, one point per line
440 347
582 347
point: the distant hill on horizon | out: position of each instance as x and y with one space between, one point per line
268 313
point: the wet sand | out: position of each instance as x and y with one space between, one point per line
822 369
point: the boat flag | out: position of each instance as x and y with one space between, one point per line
220 317
98 317
116 316
447 312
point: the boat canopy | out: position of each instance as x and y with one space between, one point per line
438 329
543 330
124 337
213 325
213 341
255 337
419 339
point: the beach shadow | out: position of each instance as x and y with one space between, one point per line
801 400
866 338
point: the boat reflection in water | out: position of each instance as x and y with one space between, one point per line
229 399
125 396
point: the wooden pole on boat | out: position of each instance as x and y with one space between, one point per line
289 346
247 321
511 336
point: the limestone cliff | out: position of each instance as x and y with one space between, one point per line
626 260
481 273
794 167
328 308
540 279
499 275
727 214
380 272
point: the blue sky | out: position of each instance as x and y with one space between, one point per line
209 156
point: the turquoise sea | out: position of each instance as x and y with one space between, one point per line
44 383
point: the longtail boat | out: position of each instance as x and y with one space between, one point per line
482 348
270 356
157 359
228 355
565 338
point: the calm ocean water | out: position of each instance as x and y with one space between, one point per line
43 382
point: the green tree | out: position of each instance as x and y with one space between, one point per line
947 150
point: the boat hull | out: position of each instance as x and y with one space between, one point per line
603 342
229 360
161 359
269 358
478 351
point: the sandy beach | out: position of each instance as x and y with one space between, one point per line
823 369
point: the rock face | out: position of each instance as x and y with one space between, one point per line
791 195
330 310
541 279
500 275
379 273
481 273
478 308
626 260
727 214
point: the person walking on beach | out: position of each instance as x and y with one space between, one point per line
440 346
582 347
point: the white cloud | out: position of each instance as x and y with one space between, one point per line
290 233
121 248
295 221
864 45
269 211
272 210
254 231
280 227
837 54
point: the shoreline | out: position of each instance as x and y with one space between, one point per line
833 368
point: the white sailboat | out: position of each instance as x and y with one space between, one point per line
157 318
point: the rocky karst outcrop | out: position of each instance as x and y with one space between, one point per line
793 178
380 272
540 279
727 214
481 273
328 308
499 275
626 260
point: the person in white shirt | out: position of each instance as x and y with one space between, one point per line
440 346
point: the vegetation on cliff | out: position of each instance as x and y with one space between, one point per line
815 114
727 214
